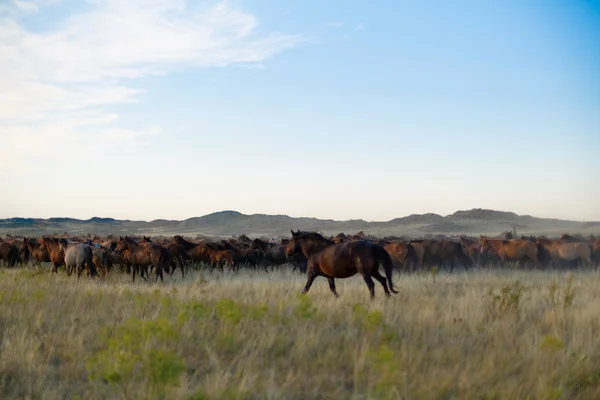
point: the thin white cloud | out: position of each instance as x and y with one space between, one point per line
55 84
26 5
127 136
334 24
253 66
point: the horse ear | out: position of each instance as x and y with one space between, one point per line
293 233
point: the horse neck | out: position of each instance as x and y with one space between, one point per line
312 246
52 246
134 245
496 244
186 245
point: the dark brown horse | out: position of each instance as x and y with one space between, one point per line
197 252
596 252
343 260
444 252
9 254
178 256
143 256
273 255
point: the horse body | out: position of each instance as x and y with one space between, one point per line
444 251
23 253
178 256
55 253
511 250
219 258
566 251
403 254
9 254
143 256
102 259
596 252
38 255
343 260
77 256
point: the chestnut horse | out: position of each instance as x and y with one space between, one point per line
143 256
511 250
402 253
218 258
55 252
38 255
343 260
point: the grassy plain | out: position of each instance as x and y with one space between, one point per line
485 334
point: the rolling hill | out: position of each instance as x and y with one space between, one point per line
230 223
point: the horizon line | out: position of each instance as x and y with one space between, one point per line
296 217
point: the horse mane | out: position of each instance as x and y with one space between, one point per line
312 236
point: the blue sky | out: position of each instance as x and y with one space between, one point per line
373 110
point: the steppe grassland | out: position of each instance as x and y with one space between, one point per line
482 334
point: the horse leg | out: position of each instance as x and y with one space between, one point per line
370 284
145 272
133 270
309 281
332 286
465 262
159 273
375 274
452 264
181 266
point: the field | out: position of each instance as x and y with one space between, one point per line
487 334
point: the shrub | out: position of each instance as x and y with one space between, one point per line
508 301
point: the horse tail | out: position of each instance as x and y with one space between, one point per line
383 257
411 255
89 260
165 258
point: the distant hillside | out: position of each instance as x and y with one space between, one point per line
229 223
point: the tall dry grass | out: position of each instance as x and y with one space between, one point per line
477 335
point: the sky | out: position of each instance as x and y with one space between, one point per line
147 109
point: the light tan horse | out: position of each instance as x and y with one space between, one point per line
567 251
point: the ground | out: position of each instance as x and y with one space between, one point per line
491 334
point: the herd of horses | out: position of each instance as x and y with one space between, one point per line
340 256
